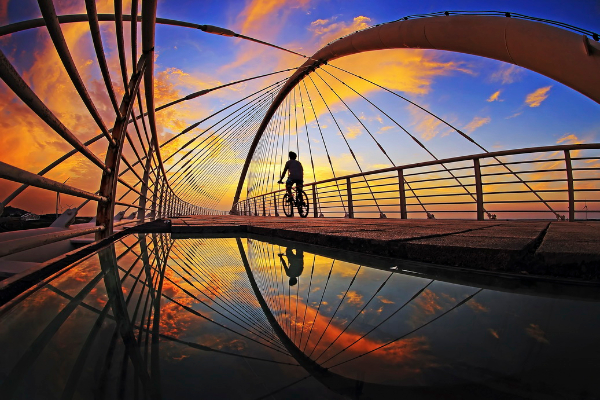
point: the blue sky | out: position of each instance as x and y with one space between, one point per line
485 98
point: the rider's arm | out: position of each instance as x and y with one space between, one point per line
285 169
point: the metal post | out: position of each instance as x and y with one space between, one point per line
403 214
350 204
166 209
264 207
570 185
478 189
275 204
255 208
315 205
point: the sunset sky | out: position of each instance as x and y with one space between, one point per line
499 105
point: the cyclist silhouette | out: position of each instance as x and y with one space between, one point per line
296 264
296 174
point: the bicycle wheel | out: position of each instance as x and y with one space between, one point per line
288 205
302 203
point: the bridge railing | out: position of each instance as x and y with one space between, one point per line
552 182
130 174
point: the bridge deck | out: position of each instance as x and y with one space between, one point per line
570 250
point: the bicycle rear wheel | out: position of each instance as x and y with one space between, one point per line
303 205
288 205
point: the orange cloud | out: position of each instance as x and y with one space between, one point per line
536 98
494 97
260 13
427 126
477 122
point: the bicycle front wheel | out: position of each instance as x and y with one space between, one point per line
288 205
303 205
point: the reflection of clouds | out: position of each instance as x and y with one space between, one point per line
384 300
353 298
175 320
404 354
428 304
537 333
476 306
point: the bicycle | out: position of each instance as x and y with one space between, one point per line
300 202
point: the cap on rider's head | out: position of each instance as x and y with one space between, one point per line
293 155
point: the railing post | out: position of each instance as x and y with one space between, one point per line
570 185
264 207
161 204
478 189
275 204
403 214
349 193
255 208
315 205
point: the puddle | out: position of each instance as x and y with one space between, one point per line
250 318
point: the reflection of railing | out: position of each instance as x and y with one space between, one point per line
564 177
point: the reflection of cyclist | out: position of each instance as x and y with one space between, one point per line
296 264
296 174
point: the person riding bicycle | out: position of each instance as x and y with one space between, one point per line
296 174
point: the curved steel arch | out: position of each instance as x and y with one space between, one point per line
557 53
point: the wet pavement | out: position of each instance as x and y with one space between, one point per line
556 249
170 316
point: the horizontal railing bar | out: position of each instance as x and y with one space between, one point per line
121 203
522 201
435 171
29 242
585 158
522 162
125 222
528 181
586 169
443 179
541 171
527 191
12 173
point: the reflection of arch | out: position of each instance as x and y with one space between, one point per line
351 387
557 53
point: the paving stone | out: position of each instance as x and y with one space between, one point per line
489 245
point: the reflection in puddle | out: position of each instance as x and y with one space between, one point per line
154 317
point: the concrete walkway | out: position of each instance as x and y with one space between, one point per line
558 249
